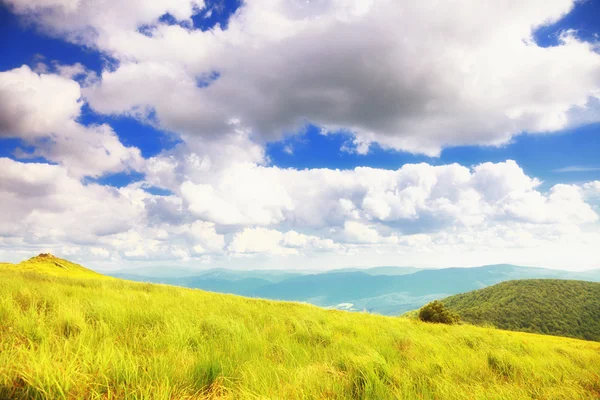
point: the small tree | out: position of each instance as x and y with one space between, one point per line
437 313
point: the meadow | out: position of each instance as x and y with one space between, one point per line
90 337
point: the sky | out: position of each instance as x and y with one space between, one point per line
300 134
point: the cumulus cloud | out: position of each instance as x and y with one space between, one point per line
273 242
86 20
418 206
48 206
557 206
591 190
416 197
42 109
358 232
408 76
51 209
259 240
244 195
467 73
33 105
366 212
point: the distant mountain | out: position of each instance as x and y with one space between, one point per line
241 286
267 275
591 275
394 295
549 306
380 270
155 274
382 290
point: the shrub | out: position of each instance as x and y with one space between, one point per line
436 312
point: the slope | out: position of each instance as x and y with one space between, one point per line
549 306
48 264
63 337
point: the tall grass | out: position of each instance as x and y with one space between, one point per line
109 339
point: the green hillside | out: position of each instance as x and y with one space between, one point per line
548 306
87 338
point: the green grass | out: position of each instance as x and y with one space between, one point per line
548 306
89 338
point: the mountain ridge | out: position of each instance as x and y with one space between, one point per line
385 294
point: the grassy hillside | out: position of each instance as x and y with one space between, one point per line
549 306
63 337
48 264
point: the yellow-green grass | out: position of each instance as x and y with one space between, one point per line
66 337
50 265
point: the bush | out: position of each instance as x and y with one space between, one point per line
436 312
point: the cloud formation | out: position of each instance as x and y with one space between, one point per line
411 76
408 76
318 213
42 109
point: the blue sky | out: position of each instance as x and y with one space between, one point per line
272 95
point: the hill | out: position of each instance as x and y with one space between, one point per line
382 290
50 265
548 306
87 338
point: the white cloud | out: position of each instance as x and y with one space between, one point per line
357 232
411 199
243 194
42 110
50 209
575 168
496 181
591 191
35 105
406 75
272 242
410 76
288 149
308 242
87 20
564 204
205 237
48 206
260 240
321 214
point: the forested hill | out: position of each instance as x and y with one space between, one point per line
549 306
